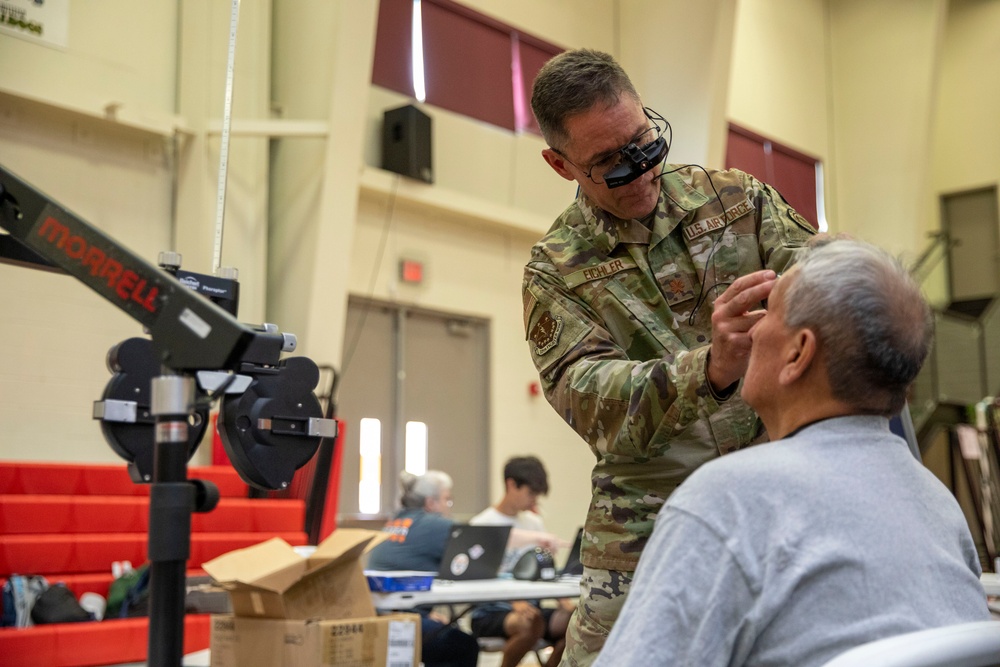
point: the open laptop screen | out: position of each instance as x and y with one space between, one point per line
573 566
473 552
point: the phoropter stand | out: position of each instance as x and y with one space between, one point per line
154 409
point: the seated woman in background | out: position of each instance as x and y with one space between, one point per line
418 535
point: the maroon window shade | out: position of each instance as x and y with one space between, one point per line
532 56
474 65
747 154
788 171
467 66
795 179
393 46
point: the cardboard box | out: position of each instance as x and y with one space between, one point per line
270 580
383 641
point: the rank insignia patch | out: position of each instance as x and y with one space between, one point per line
545 333
678 287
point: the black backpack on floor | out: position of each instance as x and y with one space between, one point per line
57 604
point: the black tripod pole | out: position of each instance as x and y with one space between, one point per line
171 501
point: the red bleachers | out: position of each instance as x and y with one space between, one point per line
69 522
104 643
35 514
99 480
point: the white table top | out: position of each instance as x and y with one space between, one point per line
493 590
486 590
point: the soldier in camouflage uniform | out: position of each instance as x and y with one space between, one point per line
637 305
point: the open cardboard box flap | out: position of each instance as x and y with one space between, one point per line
344 545
272 565
271 580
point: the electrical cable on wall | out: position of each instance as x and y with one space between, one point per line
376 267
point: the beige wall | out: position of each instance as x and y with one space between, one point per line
966 134
202 59
121 57
883 68
780 83
683 72
893 97
965 137
55 332
898 101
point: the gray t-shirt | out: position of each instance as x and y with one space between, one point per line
792 552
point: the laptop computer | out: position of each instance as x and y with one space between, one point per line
573 566
473 552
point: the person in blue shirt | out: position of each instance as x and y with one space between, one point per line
418 534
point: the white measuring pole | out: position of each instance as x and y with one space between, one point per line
220 208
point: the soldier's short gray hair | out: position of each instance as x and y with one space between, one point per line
873 324
418 488
571 83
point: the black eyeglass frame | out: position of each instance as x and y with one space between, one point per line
660 124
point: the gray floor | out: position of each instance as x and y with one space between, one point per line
197 659
202 659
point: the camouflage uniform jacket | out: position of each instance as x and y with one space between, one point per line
607 304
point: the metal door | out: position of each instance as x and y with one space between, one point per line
970 219
403 364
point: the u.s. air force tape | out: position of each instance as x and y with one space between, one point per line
702 227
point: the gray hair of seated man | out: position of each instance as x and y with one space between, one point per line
872 322
418 488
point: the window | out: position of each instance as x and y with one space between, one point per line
416 448
370 452
369 484
473 64
797 176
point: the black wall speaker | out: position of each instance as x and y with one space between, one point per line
406 143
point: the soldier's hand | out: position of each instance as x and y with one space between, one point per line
735 312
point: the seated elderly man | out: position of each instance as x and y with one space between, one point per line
791 552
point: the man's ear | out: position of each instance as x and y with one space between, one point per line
557 162
799 356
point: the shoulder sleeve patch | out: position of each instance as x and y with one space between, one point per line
545 334
555 328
